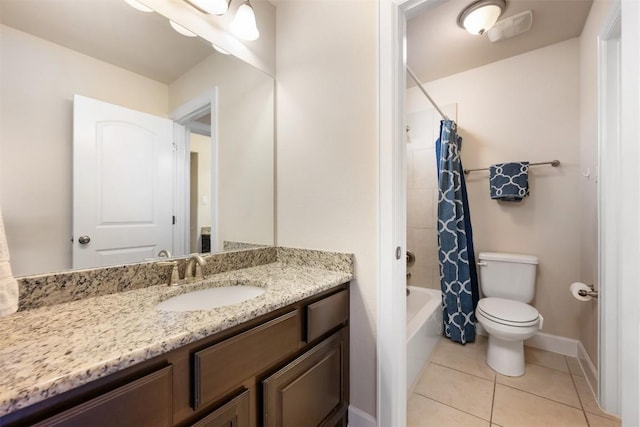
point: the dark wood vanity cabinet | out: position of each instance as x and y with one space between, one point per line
319 373
218 368
235 413
143 402
288 368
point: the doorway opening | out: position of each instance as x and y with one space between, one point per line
196 165
200 183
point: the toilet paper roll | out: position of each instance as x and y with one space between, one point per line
577 286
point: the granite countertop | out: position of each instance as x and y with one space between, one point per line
47 351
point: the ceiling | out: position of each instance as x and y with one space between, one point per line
111 31
144 43
437 47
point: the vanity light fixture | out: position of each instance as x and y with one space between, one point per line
479 17
244 23
219 49
182 30
214 7
139 6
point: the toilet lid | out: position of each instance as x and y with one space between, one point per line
508 310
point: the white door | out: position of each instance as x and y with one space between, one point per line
123 174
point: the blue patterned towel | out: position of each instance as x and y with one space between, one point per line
509 181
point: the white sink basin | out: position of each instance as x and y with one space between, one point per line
207 299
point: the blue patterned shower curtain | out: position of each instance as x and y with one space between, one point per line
458 276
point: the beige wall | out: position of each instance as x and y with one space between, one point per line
245 144
525 108
589 160
327 153
37 82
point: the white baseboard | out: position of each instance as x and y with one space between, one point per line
590 371
554 343
359 418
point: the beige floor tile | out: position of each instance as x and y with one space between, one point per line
424 412
546 359
589 403
545 382
469 358
457 389
598 421
574 366
514 408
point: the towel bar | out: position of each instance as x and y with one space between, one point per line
554 163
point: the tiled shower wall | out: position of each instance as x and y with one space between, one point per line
422 194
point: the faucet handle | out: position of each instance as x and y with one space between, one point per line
174 278
164 254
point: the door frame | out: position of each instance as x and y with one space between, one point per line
629 203
391 399
391 299
181 117
609 232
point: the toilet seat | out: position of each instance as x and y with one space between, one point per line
508 312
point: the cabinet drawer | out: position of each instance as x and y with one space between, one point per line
310 390
143 402
235 413
221 368
326 314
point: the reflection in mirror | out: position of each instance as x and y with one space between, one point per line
222 170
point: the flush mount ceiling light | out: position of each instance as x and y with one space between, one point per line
479 17
139 6
214 7
182 30
244 23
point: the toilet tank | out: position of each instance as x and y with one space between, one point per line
510 276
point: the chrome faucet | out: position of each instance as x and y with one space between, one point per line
196 262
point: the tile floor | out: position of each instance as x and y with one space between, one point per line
458 389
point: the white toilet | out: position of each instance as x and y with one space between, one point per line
508 285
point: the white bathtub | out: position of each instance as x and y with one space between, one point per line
424 329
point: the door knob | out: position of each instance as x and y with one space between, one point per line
83 240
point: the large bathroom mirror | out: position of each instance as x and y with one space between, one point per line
221 109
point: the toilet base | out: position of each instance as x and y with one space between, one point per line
505 356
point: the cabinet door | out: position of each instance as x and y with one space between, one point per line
143 402
233 414
311 389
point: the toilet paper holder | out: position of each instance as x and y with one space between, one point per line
585 293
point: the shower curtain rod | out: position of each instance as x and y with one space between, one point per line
554 163
423 90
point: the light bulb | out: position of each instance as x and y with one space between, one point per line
215 7
244 23
139 6
182 30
